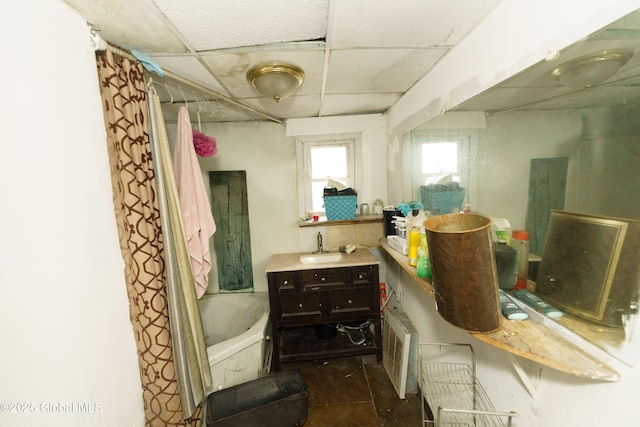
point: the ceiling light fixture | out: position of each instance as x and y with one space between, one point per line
591 70
275 80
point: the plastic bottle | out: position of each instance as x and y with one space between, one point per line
423 269
520 242
413 243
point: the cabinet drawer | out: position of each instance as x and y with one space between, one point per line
361 275
285 281
350 301
308 305
324 279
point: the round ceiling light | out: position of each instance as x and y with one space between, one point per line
591 70
275 80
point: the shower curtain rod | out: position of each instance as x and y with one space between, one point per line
191 85
100 44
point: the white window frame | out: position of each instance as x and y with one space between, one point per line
304 179
467 150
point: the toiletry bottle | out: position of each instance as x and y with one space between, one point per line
423 269
539 305
414 243
520 242
510 309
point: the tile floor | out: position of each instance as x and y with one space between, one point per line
354 392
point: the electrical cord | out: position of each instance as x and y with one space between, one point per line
345 329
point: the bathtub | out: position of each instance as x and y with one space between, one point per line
236 329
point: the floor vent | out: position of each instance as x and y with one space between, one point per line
400 352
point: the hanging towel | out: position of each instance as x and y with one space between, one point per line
199 224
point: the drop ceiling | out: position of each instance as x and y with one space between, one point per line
359 57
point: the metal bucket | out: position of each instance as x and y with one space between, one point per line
464 273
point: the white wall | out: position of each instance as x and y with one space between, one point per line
267 152
269 157
67 338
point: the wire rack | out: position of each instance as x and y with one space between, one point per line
453 393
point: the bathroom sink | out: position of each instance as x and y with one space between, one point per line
320 258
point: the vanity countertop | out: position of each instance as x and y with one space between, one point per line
291 261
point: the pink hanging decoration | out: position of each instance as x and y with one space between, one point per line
205 145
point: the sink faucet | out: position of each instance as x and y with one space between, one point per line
320 247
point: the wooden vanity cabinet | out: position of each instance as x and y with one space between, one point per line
301 299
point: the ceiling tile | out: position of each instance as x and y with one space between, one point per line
115 22
505 98
231 68
405 23
220 24
357 104
292 107
379 70
190 68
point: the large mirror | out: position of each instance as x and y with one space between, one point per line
580 133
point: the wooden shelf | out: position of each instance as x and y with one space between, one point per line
323 221
527 339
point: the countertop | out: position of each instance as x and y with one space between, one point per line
291 261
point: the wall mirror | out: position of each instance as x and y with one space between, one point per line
559 109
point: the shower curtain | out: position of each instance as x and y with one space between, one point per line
143 244
194 373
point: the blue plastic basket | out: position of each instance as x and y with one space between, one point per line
340 207
440 199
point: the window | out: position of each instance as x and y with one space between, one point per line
322 160
439 159
436 155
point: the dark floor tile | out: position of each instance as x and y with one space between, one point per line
354 392
344 415
391 410
334 381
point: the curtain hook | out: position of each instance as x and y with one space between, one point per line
169 92
209 104
197 101
184 97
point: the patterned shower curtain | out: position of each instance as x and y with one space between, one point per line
138 219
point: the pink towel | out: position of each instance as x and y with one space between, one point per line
199 225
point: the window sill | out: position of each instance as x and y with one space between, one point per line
323 221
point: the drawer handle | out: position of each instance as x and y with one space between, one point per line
350 302
286 282
300 305
322 279
360 276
